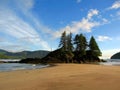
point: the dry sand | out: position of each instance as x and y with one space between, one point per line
63 77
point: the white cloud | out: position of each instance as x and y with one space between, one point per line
58 33
16 27
118 13
117 38
14 48
115 5
84 25
103 38
25 4
78 1
106 54
105 21
2 39
92 12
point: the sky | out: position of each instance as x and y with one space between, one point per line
38 24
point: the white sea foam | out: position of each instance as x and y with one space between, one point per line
111 62
19 66
9 60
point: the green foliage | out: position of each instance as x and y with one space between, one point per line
76 42
80 53
69 42
80 47
80 42
94 47
66 47
69 57
66 42
63 41
2 56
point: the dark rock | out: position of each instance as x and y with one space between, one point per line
116 56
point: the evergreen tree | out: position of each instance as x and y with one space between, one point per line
93 48
69 43
63 41
80 42
69 53
81 45
66 47
76 42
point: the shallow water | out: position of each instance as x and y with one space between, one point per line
111 62
18 66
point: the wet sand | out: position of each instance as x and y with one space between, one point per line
63 77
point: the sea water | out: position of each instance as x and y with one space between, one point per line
18 66
111 62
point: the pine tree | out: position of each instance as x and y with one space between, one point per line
63 41
69 53
95 51
69 43
66 47
82 43
80 47
76 42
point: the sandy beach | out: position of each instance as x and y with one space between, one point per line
63 77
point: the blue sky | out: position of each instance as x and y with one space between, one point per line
38 24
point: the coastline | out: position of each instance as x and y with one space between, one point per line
8 67
63 77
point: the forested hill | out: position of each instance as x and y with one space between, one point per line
24 54
116 56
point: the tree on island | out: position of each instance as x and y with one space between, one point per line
63 42
76 50
69 42
81 52
94 52
66 47
80 47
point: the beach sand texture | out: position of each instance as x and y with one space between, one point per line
63 77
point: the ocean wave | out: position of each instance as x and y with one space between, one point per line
18 66
111 62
